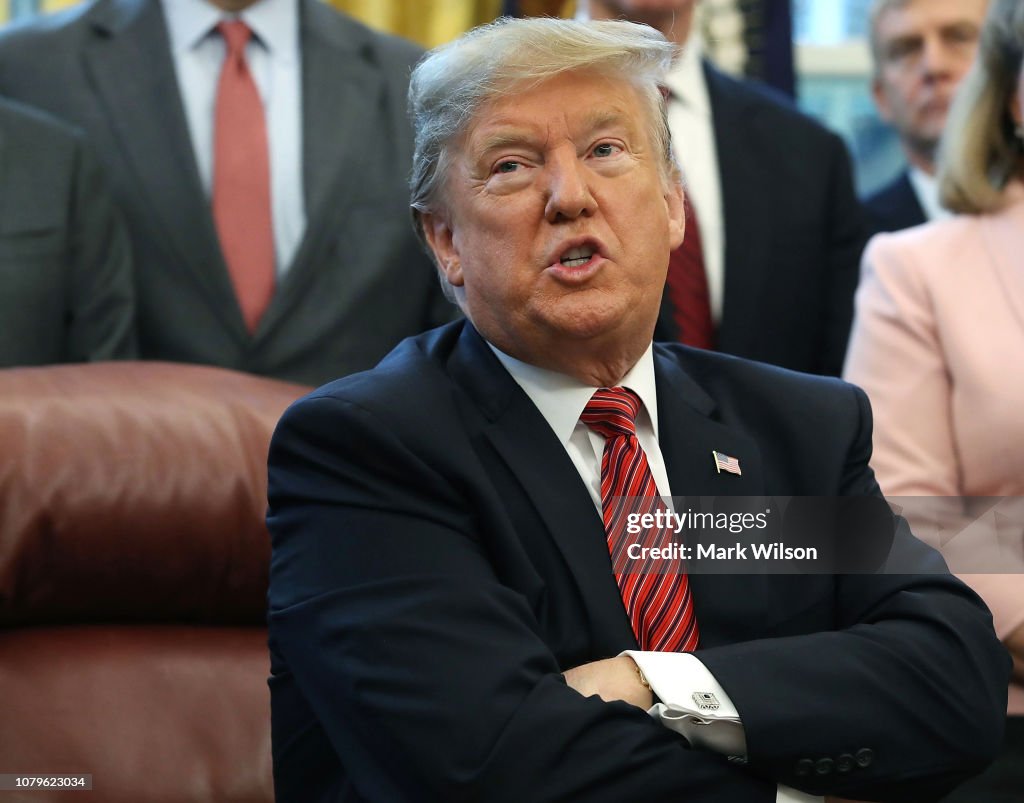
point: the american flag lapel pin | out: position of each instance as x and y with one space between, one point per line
725 463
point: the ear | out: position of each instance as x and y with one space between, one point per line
676 214
441 239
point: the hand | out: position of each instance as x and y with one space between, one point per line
611 679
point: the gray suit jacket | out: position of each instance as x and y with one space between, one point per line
65 265
359 282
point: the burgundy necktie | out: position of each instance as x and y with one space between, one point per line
687 287
241 179
656 593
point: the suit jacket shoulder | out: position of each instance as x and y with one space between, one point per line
390 53
895 206
926 249
62 31
778 109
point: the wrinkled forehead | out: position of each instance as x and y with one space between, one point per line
580 100
908 17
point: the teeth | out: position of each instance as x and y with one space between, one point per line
575 257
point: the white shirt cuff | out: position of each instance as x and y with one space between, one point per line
787 794
693 703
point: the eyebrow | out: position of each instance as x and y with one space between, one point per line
512 135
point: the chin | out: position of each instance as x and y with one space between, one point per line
624 324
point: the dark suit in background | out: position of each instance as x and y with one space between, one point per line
359 281
894 207
436 565
66 290
794 231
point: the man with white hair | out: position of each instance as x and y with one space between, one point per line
459 607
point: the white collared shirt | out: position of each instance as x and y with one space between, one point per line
561 400
274 59
926 188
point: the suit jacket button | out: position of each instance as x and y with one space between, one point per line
824 766
865 756
804 767
846 762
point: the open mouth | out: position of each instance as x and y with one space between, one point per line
578 256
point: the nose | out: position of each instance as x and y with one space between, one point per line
568 189
936 58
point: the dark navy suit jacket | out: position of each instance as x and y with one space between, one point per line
794 231
437 563
894 207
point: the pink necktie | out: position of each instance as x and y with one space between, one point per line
656 593
241 179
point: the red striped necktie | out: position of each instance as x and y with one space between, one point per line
656 593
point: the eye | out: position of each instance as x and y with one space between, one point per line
904 48
507 166
606 149
962 34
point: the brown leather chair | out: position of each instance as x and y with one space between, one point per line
133 576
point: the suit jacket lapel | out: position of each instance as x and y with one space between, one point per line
909 208
551 482
688 432
743 196
341 89
130 65
339 85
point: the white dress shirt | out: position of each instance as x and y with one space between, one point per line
273 55
926 188
674 677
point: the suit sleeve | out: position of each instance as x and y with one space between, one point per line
907 693
427 674
847 233
101 307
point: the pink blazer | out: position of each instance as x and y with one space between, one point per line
938 344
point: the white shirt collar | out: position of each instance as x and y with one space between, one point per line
561 399
926 188
189 22
686 77
275 23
